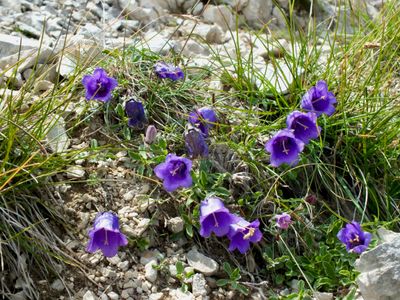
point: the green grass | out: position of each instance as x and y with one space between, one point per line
353 169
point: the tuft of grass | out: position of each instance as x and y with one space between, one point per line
353 168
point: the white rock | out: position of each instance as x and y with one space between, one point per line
176 224
12 4
128 196
199 284
323 296
220 15
113 296
172 270
156 296
202 263
26 60
128 5
103 297
380 271
89 295
57 137
123 265
257 13
75 172
216 35
179 295
194 10
148 256
386 235
160 45
42 86
193 48
10 44
280 77
151 273
142 227
67 65
90 30
57 285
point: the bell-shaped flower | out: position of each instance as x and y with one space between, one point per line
214 217
203 118
241 233
99 86
165 70
283 220
105 235
355 239
135 112
151 134
175 172
196 144
319 100
284 148
304 125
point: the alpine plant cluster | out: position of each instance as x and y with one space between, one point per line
175 172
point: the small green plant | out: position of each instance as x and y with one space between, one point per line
234 277
183 276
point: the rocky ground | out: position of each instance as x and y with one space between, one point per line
162 26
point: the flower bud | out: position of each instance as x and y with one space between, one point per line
151 134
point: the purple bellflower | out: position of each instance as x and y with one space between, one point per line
214 217
283 220
99 86
241 233
175 172
203 118
105 235
165 70
135 112
196 144
319 100
284 148
304 125
355 239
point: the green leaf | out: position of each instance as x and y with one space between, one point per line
223 282
279 278
134 155
235 275
127 133
93 144
227 268
189 230
119 110
179 267
203 178
244 290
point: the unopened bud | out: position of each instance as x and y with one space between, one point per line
151 134
312 199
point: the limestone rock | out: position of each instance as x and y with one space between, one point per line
57 285
220 15
89 295
151 273
179 295
75 172
57 137
10 44
257 13
216 35
199 284
380 271
176 224
202 263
